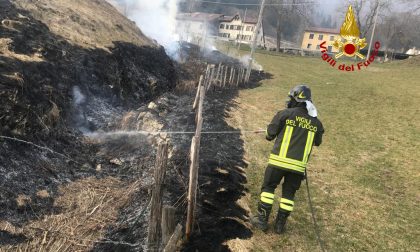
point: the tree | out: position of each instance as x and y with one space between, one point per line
413 5
290 19
365 11
400 33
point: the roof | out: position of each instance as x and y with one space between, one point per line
199 16
209 17
323 30
248 20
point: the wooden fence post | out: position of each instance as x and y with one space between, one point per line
171 246
226 71
217 73
154 232
197 95
242 76
200 113
233 77
220 80
192 189
168 223
238 78
231 74
207 77
211 77
194 159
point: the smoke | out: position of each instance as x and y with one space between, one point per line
245 61
78 97
156 18
79 103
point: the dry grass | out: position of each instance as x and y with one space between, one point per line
364 178
86 23
87 208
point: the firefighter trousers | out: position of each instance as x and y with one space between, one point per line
273 176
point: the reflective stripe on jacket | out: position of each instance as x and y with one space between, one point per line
295 132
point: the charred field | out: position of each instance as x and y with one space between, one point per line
82 94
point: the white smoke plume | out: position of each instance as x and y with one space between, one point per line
156 18
245 61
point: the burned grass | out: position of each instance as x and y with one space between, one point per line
83 211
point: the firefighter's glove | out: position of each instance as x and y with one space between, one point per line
269 138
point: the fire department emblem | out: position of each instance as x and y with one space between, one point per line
350 43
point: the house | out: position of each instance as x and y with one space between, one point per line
235 28
313 37
195 27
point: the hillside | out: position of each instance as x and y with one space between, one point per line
68 68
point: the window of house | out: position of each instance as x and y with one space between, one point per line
309 46
311 36
248 28
222 26
232 27
331 38
329 48
238 27
320 37
317 46
238 36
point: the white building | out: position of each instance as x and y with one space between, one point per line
197 27
235 28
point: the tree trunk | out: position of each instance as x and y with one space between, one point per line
278 26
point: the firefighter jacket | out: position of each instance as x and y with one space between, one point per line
295 133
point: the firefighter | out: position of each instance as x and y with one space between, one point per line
296 129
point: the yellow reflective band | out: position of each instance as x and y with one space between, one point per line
308 147
286 207
267 195
283 143
288 160
284 200
266 132
286 141
268 201
286 165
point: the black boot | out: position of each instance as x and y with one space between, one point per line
281 219
261 219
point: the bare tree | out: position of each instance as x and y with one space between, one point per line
289 19
399 33
413 5
365 11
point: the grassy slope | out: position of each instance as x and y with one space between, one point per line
363 178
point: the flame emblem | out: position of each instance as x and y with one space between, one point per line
350 33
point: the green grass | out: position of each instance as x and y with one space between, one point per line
364 177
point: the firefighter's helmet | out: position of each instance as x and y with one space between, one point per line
301 93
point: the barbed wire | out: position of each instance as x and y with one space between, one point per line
39 147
